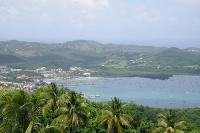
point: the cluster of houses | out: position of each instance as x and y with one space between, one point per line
82 72
5 69
62 74
20 86
28 82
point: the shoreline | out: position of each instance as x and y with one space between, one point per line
85 85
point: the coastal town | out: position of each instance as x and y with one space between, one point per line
28 80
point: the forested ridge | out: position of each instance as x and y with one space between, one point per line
108 60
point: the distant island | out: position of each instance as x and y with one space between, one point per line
107 60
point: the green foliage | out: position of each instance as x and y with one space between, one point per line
53 110
29 129
176 57
114 117
168 123
15 109
51 129
6 59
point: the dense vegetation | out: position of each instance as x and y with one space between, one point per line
5 59
55 110
126 60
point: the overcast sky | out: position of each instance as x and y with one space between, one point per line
142 22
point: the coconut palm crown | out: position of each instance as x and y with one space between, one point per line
114 117
168 123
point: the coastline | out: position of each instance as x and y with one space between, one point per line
172 93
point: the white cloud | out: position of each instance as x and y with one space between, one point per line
189 2
140 13
86 7
24 9
90 4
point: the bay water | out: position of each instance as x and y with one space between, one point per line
178 91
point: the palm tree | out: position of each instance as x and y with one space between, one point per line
114 118
72 114
44 101
53 94
145 126
167 123
76 110
15 110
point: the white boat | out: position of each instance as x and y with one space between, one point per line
97 95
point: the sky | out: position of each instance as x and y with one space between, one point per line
141 22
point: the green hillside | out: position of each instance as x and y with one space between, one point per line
106 59
6 59
175 56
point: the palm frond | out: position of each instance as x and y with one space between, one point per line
29 129
52 129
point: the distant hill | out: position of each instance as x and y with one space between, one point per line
175 56
80 45
107 59
6 59
79 52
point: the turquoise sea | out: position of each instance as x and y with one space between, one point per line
176 92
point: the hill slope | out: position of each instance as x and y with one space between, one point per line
107 59
175 56
6 59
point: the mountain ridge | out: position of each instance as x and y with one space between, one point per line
108 59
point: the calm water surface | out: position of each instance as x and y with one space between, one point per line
176 92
